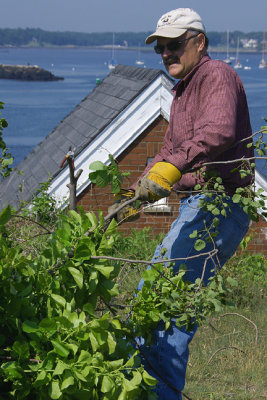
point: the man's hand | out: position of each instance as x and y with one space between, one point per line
158 182
129 212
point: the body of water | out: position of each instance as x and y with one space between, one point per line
34 109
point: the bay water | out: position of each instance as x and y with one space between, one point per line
34 109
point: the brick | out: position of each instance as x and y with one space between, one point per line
134 160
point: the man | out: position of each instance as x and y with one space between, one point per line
208 120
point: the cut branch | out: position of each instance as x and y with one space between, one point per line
73 184
242 316
225 348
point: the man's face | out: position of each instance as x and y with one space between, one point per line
179 63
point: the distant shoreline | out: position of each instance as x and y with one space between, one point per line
124 48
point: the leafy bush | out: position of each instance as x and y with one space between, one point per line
61 334
5 157
249 270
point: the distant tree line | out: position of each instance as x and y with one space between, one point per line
39 37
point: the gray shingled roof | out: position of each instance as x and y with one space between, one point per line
77 130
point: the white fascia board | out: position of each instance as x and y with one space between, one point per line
155 100
261 183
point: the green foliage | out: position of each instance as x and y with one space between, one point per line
104 175
138 242
61 335
249 270
54 343
165 296
5 157
43 206
38 37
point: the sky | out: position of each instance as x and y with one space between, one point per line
129 15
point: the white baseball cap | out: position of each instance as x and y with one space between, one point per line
175 23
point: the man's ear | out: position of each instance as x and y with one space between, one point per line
201 41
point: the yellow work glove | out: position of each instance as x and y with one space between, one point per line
157 183
129 212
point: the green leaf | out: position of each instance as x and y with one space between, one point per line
110 288
77 276
21 347
84 249
67 381
193 235
111 343
60 368
59 299
64 233
148 379
217 304
106 271
107 384
89 308
85 356
12 370
94 342
29 326
97 166
137 378
115 185
5 215
54 390
116 364
232 282
199 245
41 378
112 228
48 324
60 348
123 395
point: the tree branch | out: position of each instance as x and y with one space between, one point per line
242 316
224 348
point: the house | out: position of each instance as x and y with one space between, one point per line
126 115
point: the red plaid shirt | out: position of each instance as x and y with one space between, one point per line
209 115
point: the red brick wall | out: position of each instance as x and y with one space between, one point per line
258 232
134 160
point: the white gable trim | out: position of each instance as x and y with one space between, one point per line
155 100
260 183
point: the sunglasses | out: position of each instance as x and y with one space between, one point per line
172 46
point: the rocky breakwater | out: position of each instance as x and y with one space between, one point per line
26 73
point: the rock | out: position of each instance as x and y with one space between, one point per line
26 73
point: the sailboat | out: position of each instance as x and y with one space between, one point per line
139 61
263 63
237 63
227 59
112 63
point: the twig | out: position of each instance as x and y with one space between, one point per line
224 348
72 186
32 237
242 316
209 254
33 221
8 358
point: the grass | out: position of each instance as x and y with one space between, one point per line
228 353
225 361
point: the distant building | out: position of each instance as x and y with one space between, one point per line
249 43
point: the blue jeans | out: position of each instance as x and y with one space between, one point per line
169 351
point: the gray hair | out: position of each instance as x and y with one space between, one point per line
192 31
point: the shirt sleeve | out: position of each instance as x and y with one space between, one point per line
214 123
